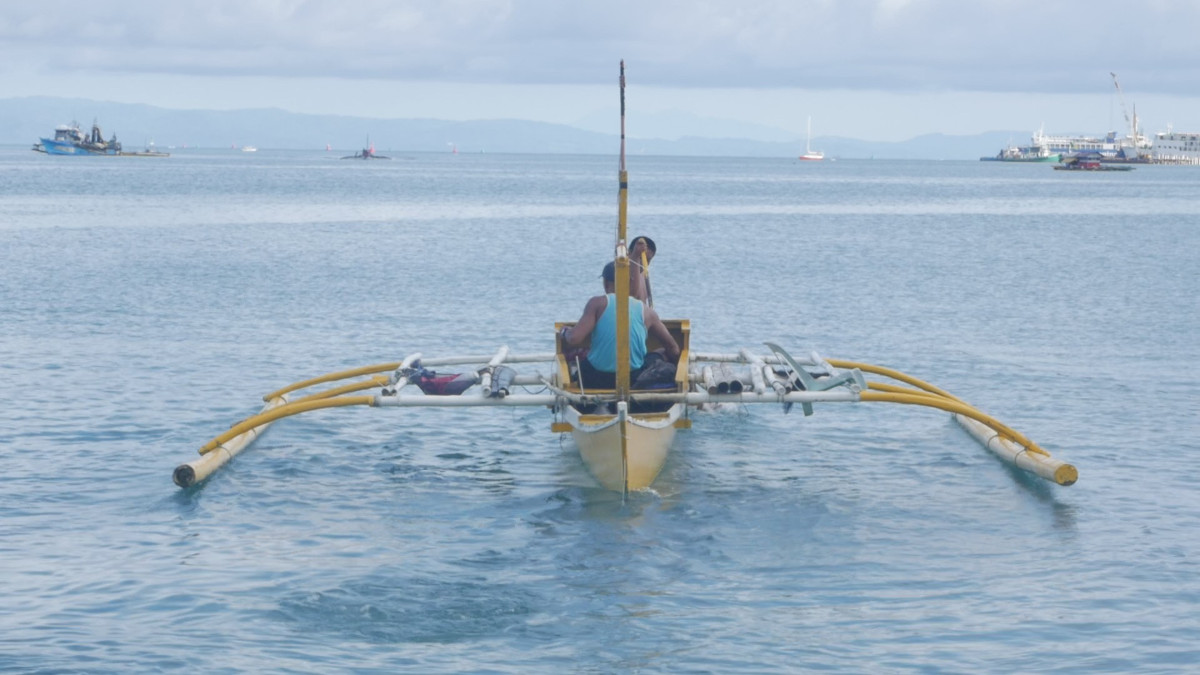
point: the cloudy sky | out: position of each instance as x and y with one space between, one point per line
871 69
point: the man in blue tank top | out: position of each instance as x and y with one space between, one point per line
599 321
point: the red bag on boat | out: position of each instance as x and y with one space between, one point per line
443 385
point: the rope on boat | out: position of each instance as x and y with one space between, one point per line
646 278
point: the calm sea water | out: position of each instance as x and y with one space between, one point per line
147 304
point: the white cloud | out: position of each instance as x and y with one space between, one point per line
720 52
987 45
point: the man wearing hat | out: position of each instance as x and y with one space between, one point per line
639 283
599 321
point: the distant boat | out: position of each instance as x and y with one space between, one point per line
150 151
1089 162
328 147
809 153
367 153
1110 146
1174 147
249 148
70 140
1024 153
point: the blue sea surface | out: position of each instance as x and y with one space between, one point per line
146 304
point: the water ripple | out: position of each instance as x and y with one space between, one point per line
144 318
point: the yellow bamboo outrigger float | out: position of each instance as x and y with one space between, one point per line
624 435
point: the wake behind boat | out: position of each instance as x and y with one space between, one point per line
625 433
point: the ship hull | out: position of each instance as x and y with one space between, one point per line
1047 158
53 147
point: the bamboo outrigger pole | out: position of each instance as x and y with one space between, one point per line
187 475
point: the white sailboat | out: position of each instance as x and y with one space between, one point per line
809 153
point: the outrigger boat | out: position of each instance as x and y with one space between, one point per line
624 435
367 152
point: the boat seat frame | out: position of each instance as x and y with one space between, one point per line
680 329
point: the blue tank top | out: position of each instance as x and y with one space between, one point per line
603 352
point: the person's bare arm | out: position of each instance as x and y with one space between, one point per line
655 327
638 288
574 337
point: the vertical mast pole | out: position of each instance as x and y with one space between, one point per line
621 263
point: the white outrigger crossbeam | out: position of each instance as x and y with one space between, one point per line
749 378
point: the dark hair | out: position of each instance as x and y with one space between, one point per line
649 243
610 272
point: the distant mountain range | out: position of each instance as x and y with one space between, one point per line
24 120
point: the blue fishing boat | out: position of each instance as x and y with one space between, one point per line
69 139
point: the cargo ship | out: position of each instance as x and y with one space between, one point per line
1174 147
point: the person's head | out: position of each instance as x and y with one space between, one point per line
609 275
651 249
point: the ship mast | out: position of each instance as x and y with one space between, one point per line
621 263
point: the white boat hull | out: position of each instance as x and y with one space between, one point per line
634 463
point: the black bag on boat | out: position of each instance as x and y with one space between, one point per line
657 373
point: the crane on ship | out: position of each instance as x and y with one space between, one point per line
1134 137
